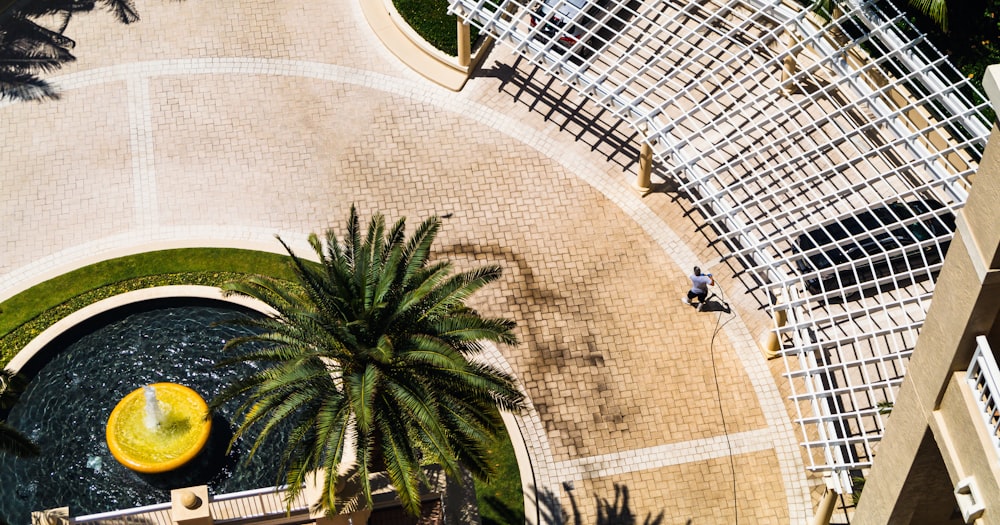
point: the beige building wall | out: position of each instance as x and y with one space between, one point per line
936 437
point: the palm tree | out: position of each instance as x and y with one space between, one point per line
12 441
373 351
936 10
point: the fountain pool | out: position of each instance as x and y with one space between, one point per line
80 377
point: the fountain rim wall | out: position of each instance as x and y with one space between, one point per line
88 313
84 315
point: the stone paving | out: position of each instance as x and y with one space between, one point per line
212 125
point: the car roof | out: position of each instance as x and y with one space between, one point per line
877 217
569 9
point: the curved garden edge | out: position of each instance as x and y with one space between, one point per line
35 308
118 301
117 295
403 42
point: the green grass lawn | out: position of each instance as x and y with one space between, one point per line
502 502
49 294
27 314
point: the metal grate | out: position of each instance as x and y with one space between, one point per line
783 125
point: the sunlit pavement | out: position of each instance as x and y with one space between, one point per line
206 124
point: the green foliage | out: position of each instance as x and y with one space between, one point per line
430 19
972 40
857 487
501 501
375 351
12 342
27 314
936 10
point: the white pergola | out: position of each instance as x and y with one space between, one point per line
777 120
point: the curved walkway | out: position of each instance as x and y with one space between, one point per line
210 126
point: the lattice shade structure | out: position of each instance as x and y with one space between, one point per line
830 150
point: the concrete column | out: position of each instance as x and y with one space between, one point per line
788 65
464 43
642 180
189 506
770 344
825 510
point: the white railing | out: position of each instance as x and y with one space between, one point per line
256 505
983 377
158 514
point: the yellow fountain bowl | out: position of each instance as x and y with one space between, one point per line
179 438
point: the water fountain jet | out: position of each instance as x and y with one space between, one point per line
158 428
153 414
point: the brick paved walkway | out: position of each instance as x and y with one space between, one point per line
211 125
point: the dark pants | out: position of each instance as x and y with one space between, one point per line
701 296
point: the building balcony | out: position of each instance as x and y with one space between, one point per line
983 378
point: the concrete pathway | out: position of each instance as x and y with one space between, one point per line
223 125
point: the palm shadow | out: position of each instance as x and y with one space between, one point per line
608 512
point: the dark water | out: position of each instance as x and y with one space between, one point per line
69 399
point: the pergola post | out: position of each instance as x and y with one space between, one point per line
827 505
771 343
642 180
788 65
464 43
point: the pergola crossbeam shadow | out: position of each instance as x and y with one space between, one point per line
784 125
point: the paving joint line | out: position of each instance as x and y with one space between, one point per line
140 120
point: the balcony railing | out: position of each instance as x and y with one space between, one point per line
158 514
265 505
984 380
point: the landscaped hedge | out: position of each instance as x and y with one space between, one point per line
15 340
430 19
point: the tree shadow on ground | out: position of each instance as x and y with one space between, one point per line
608 512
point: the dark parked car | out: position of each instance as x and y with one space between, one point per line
567 12
864 245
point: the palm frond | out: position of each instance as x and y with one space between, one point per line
372 350
361 388
16 85
937 10
418 249
421 413
464 327
401 463
124 10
